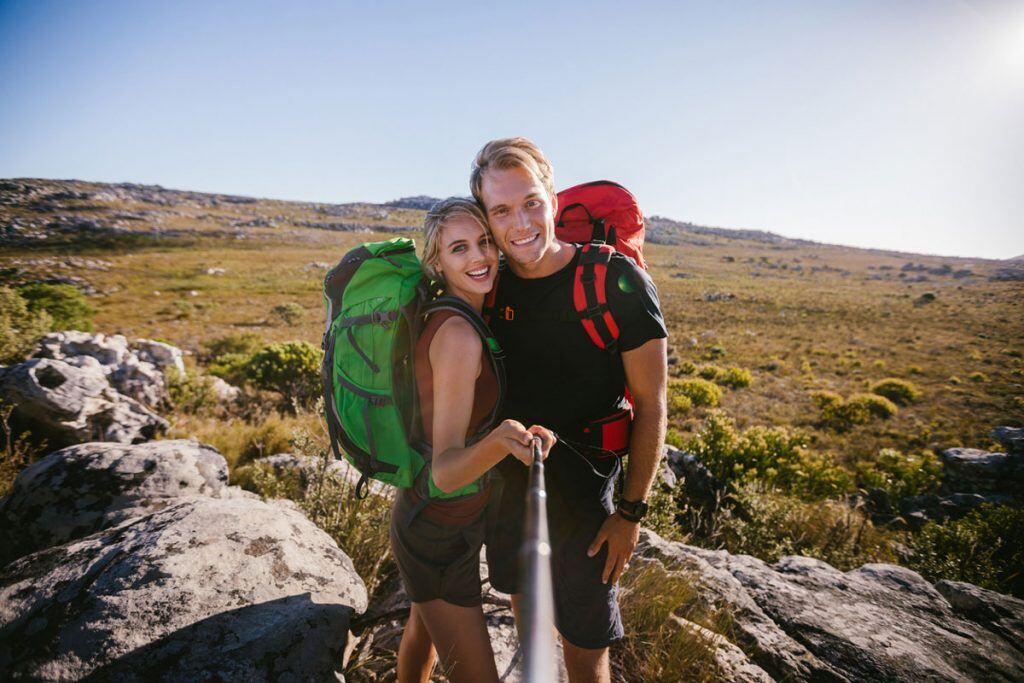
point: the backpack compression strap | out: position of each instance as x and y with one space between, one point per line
590 299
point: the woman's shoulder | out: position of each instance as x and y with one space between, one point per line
456 332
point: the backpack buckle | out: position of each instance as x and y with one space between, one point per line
595 311
382 318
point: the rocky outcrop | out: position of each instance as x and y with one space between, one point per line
69 404
135 369
205 589
86 488
801 619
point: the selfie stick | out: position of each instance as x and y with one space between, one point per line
535 558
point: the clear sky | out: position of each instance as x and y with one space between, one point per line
870 123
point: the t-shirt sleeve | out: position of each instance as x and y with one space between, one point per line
634 304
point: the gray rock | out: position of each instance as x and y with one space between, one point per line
68 404
83 489
159 354
109 351
1011 438
207 589
969 470
703 490
878 622
228 393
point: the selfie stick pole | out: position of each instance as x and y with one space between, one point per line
535 558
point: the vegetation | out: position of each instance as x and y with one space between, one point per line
20 327
900 475
899 391
292 369
65 304
700 392
985 548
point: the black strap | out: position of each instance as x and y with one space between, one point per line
366 359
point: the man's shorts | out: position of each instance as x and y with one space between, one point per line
435 560
586 610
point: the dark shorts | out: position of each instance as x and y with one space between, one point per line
437 561
586 610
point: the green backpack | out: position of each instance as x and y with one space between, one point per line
377 299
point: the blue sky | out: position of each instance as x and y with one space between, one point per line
879 124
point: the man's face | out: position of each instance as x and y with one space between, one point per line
521 213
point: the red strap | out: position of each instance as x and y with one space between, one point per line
581 287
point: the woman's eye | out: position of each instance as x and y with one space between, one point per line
456 249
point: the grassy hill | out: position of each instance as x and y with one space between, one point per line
802 317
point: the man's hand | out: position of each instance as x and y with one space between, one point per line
621 535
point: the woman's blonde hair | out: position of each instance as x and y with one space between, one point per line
437 217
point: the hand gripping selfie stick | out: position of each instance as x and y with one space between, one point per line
535 558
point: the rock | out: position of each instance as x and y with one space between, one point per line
969 470
83 489
733 663
67 404
228 393
1011 438
136 370
805 620
206 589
159 354
702 489
717 296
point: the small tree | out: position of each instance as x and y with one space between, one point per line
65 304
20 328
290 368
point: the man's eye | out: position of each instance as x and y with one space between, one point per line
499 212
533 204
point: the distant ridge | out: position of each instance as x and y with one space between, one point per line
661 230
420 202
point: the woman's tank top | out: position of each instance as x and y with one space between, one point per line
485 395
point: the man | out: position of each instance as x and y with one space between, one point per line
559 378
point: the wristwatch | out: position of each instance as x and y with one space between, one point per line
632 511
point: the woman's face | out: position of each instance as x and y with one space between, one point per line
467 259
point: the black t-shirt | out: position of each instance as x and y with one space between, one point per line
557 376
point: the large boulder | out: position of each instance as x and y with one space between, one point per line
801 619
206 589
969 470
68 404
83 489
136 369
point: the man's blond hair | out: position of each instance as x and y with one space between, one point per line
437 217
511 153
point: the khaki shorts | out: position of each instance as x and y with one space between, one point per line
437 561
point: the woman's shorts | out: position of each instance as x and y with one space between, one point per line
437 561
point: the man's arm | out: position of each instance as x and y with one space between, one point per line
646 376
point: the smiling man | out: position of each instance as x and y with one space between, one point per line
560 379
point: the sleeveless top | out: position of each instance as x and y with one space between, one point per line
485 395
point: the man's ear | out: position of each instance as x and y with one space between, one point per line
554 206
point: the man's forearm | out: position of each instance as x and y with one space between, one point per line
645 446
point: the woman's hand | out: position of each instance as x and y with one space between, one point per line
514 439
547 440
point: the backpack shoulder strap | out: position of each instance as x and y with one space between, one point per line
491 348
590 299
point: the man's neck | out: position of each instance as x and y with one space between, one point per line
553 260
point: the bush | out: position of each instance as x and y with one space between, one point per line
900 475
858 409
716 351
20 328
289 313
771 455
700 391
678 405
736 377
245 344
985 548
65 304
899 391
686 368
978 377
768 524
289 368
876 406
190 392
711 372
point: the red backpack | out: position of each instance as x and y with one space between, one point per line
606 218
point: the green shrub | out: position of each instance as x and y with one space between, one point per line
876 406
20 327
899 391
678 405
774 456
716 351
985 548
900 475
661 514
289 313
65 304
711 372
190 392
244 343
826 399
768 524
700 391
686 368
230 367
978 377
289 368
915 370
736 377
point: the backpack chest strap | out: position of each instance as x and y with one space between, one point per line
589 296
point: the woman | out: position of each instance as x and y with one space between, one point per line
437 549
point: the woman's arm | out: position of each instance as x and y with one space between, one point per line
456 354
